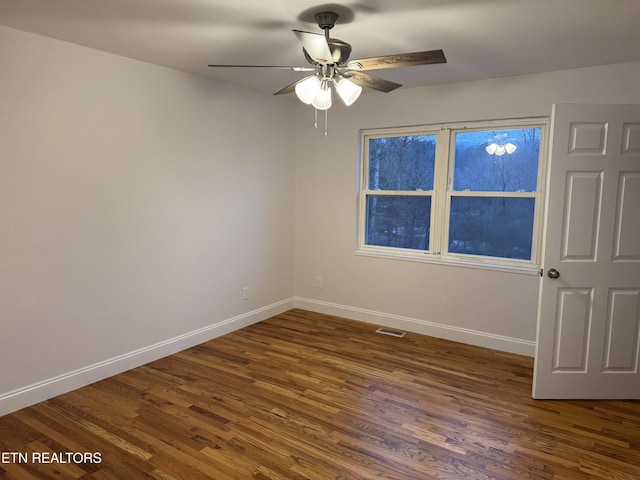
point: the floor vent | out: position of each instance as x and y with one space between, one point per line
393 333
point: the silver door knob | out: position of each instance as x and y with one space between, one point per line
553 273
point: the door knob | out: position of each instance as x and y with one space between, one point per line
553 273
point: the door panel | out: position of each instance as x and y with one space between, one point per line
572 330
583 196
588 339
627 238
622 330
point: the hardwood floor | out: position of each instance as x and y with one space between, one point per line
308 396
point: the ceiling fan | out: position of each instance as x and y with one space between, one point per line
329 61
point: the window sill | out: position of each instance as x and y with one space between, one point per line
433 259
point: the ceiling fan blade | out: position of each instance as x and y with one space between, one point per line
292 87
400 60
281 67
316 46
371 81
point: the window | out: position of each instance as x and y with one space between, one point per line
466 194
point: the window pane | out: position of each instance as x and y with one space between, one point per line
402 163
398 221
494 227
497 160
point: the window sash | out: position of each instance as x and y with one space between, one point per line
442 194
415 223
486 225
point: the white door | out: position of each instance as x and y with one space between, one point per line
588 339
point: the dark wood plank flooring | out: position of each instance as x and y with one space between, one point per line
305 396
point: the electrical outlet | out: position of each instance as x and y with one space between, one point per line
245 293
319 282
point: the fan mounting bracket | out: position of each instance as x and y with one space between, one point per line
326 20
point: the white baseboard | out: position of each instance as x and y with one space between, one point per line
424 327
30 394
38 392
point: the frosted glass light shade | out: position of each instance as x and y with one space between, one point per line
308 89
348 91
495 149
491 149
322 100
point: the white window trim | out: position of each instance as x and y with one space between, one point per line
441 196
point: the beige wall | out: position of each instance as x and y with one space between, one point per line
493 309
136 202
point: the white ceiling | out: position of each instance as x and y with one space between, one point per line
480 38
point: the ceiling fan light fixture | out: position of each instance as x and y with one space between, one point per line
348 91
308 89
322 100
328 58
499 148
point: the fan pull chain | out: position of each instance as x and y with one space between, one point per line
326 123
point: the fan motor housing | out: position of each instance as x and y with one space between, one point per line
340 51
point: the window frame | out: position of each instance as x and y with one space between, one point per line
442 194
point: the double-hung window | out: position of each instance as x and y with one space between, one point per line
466 194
